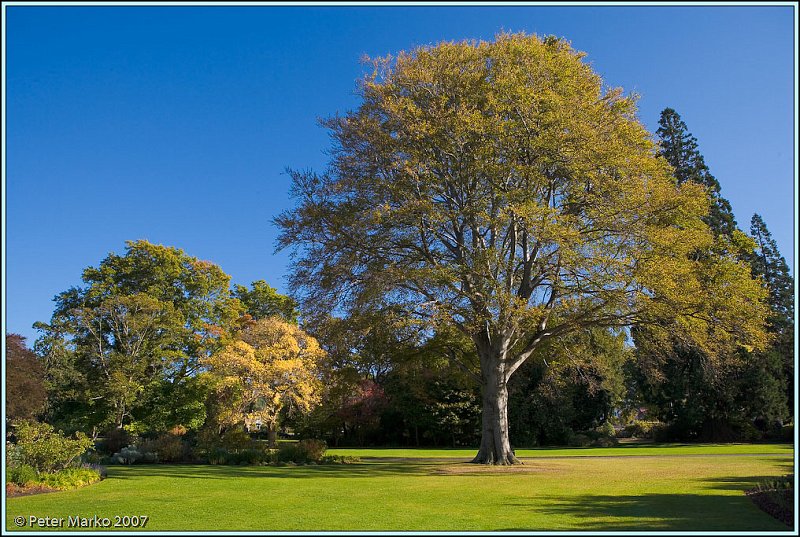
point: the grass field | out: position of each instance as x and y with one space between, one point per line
672 488
631 449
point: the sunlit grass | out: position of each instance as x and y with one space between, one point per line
656 493
631 449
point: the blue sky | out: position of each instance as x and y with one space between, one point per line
175 124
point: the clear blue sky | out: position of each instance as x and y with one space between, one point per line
175 124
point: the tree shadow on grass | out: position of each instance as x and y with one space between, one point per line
192 471
656 512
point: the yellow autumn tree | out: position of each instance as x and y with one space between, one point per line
270 364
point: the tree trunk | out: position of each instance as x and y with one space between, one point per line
272 436
495 446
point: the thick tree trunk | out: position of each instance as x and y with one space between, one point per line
495 446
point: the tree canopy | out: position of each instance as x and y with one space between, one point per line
270 364
127 344
500 188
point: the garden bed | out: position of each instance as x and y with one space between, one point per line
777 503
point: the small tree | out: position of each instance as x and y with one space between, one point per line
270 365
41 447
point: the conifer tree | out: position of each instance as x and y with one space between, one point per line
679 148
697 393
768 264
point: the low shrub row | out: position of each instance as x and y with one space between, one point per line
253 453
65 479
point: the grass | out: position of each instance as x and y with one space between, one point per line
663 492
631 449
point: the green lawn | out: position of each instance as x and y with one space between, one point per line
665 491
631 449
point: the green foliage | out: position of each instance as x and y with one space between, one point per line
247 456
131 339
571 387
133 454
41 447
607 429
25 389
679 148
770 266
23 475
302 452
114 440
718 394
232 439
262 301
785 482
339 459
168 447
69 478
642 429
579 440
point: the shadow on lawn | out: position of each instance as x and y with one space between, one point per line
190 471
656 512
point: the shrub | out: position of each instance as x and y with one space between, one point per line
101 470
605 441
231 440
168 447
748 432
114 440
787 433
70 478
579 440
607 429
132 454
301 452
217 455
241 457
40 446
642 429
22 475
252 456
13 455
339 459
784 482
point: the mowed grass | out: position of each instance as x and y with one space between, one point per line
666 491
630 449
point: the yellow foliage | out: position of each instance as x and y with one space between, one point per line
270 364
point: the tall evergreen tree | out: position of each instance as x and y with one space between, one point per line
768 263
701 396
679 148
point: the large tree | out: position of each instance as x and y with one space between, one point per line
500 189
769 265
679 147
128 343
716 397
